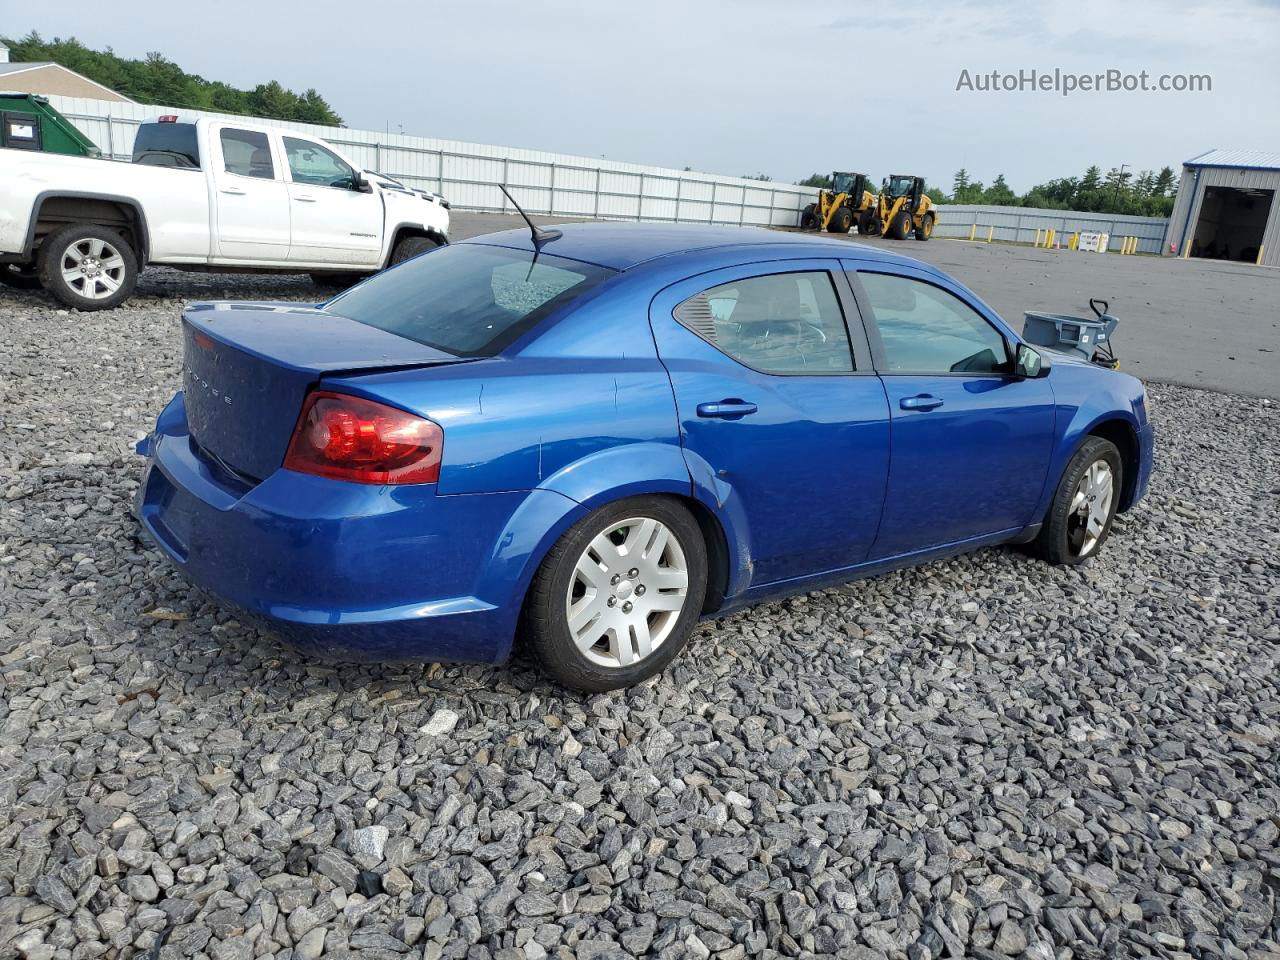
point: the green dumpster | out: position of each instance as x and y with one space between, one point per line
27 122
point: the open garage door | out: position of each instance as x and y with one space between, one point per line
1231 223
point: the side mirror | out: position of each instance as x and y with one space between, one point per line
1031 363
358 182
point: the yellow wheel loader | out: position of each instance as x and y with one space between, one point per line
841 207
901 209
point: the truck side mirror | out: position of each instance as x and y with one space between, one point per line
358 182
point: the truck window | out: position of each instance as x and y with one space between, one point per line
312 164
167 145
247 153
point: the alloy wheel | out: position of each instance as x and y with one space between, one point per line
627 592
1090 508
93 268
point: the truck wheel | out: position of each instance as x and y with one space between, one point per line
869 224
410 247
615 599
841 221
1084 504
900 228
925 230
88 267
809 218
20 276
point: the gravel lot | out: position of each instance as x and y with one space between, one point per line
982 757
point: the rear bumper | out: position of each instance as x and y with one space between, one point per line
341 569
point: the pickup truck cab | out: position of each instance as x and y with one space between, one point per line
205 194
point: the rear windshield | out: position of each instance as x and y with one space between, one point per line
469 300
167 145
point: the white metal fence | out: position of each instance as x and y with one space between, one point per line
1021 225
559 184
468 174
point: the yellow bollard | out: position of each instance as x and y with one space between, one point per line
1074 243
1049 236
990 232
972 231
1037 236
1258 262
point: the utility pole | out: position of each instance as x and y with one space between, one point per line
1115 200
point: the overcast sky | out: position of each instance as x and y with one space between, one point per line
739 86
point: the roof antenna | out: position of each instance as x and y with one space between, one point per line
541 235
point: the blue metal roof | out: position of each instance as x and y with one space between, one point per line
624 245
1240 159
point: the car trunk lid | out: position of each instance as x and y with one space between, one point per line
248 366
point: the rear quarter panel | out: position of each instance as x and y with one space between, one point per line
175 203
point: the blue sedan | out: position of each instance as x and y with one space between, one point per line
592 438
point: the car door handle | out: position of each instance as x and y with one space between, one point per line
305 199
233 191
923 402
727 409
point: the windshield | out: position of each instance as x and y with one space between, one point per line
467 299
841 182
899 186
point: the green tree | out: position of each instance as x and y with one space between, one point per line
1164 182
820 180
156 79
960 182
999 193
757 176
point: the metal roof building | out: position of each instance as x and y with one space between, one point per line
1226 208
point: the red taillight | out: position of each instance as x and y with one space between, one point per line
350 438
167 118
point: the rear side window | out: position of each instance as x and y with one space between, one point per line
247 153
167 145
925 329
468 299
782 323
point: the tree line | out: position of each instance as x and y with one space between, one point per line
1147 193
161 81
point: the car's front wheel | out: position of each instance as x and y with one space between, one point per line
1084 504
615 599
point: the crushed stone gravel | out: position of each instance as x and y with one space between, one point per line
981 757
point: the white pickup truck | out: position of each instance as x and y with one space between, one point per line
207 194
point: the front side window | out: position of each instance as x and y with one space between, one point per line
467 299
925 329
312 164
247 153
782 323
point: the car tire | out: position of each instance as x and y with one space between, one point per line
599 571
841 221
1084 505
410 247
809 217
900 228
19 276
87 266
925 230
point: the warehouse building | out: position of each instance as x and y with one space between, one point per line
47 78
1226 208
